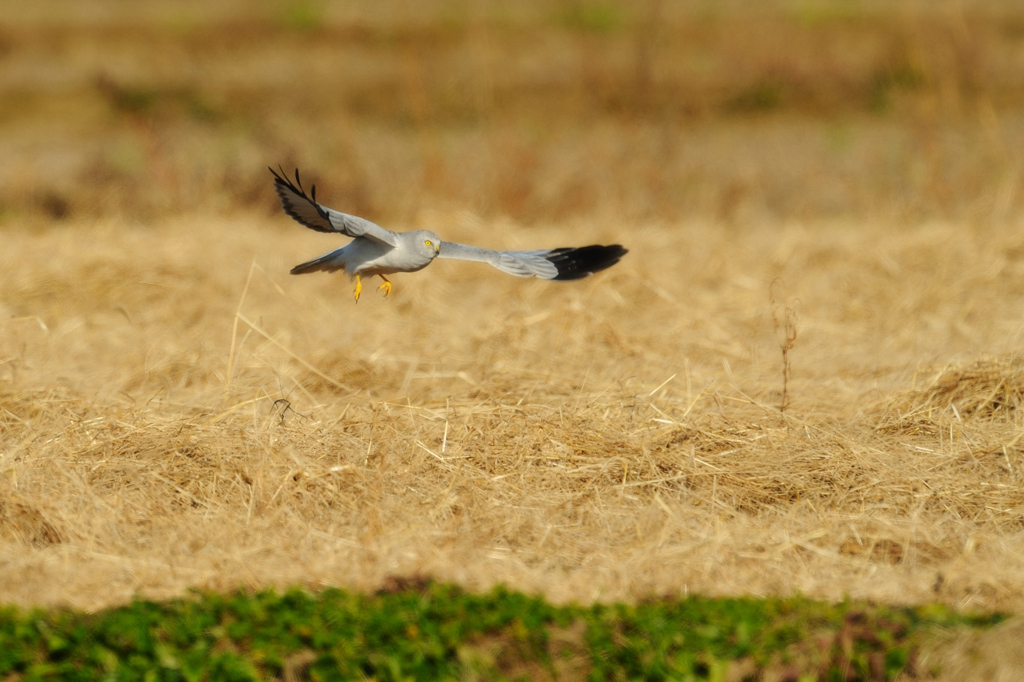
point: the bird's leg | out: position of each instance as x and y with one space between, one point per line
386 286
359 287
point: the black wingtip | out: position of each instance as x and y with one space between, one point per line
282 181
577 263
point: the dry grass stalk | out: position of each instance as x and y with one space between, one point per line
785 332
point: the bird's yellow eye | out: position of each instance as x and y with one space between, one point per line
428 243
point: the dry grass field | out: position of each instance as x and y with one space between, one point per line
613 438
176 411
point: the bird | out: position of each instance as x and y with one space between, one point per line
375 250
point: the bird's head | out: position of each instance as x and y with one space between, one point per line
428 243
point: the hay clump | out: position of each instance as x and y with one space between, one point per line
990 388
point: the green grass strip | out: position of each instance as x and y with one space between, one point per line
433 631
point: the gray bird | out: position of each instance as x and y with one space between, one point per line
377 251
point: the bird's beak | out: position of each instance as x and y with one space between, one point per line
437 249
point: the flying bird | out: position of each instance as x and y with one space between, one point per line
377 251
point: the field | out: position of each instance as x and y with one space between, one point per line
805 377
420 630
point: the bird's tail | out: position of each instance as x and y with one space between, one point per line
329 262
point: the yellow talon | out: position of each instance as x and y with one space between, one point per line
359 287
386 286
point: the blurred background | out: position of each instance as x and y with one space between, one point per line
733 111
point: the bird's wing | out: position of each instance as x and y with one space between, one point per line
559 264
307 211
